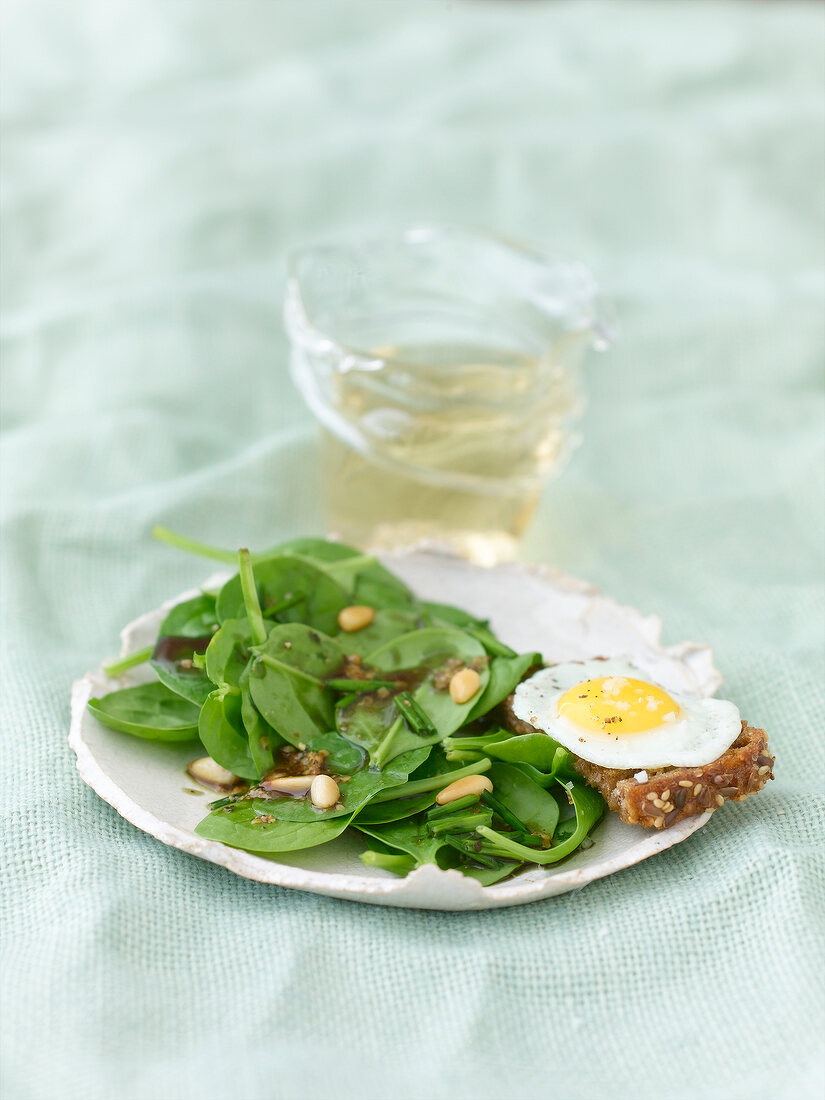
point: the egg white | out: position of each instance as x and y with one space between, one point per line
704 730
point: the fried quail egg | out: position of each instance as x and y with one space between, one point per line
610 713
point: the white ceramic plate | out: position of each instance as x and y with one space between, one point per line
532 608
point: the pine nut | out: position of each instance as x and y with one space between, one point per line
464 685
324 792
355 618
470 784
288 784
210 773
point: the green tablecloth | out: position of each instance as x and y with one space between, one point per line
158 160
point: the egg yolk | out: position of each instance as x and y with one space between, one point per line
617 704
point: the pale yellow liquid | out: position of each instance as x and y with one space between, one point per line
456 462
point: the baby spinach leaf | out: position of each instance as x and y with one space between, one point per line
505 674
343 758
412 838
221 729
379 813
263 740
426 652
365 579
228 653
564 765
297 710
528 748
151 711
366 719
440 613
172 660
228 660
242 826
379 588
534 806
279 580
193 618
487 876
543 779
286 681
389 623
589 806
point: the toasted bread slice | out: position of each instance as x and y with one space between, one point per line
659 797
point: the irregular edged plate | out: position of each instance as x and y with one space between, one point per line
531 608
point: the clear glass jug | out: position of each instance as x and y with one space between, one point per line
442 366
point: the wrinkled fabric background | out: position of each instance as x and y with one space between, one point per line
158 159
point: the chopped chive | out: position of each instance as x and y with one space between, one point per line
452 807
460 822
507 816
219 803
477 743
456 757
396 863
470 852
139 657
416 717
529 840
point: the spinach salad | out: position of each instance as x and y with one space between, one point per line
329 697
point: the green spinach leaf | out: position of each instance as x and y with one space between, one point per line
388 624
505 674
424 653
286 681
293 589
528 748
412 838
173 662
224 736
589 806
193 618
263 740
362 575
536 807
379 813
150 711
243 826
229 652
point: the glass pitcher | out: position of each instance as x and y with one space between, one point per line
441 364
